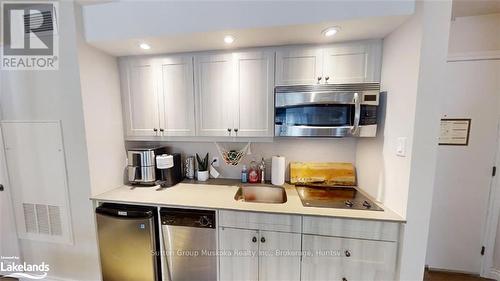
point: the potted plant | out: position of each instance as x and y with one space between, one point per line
202 173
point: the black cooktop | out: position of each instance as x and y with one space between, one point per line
343 197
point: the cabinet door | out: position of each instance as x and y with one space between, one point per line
333 258
353 62
175 84
140 97
298 66
255 86
279 256
239 258
214 94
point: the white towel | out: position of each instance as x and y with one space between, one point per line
164 161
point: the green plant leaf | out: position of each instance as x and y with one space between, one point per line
202 164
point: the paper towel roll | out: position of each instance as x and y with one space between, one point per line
278 170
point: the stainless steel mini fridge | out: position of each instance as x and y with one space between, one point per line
128 242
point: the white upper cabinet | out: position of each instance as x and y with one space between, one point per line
337 63
140 97
175 85
298 66
231 94
344 64
234 94
255 87
158 96
352 63
214 94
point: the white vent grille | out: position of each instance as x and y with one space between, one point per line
45 21
42 216
42 219
30 218
55 220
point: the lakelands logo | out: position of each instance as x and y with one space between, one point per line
10 267
29 36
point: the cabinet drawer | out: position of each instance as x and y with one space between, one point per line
331 258
364 229
262 221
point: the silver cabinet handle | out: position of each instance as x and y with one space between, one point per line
1 187
319 79
263 240
357 115
347 253
254 239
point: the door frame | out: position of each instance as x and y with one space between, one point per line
491 220
8 199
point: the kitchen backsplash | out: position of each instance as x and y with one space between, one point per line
313 150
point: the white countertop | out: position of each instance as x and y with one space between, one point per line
221 196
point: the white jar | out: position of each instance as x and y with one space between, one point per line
202 175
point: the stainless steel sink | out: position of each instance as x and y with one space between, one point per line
261 193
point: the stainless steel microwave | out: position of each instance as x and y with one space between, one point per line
331 110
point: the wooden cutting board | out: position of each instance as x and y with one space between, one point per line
329 173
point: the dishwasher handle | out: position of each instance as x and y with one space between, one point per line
124 213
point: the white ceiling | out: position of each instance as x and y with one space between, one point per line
465 8
369 28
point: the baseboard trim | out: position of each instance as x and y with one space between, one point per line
451 271
493 274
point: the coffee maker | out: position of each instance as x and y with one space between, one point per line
143 168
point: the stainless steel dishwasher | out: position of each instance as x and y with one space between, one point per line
189 240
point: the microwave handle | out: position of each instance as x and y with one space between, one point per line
357 114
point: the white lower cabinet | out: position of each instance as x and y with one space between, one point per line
259 255
344 259
279 256
238 260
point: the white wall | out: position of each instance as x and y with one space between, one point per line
55 95
475 34
413 60
100 89
140 19
435 34
378 166
312 150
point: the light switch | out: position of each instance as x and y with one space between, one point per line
401 147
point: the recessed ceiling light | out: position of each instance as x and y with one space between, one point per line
331 31
228 39
144 46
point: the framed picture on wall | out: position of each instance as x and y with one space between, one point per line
455 131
